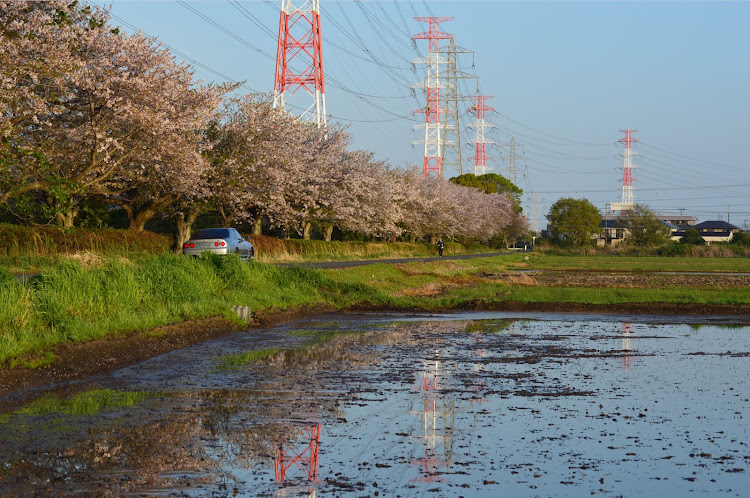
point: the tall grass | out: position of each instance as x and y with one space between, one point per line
29 242
271 249
70 303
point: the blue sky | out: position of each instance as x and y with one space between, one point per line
564 76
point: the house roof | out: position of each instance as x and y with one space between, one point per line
715 225
612 224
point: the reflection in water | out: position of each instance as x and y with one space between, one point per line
626 333
307 460
438 421
399 402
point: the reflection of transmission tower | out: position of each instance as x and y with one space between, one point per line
451 147
433 161
438 420
626 333
300 42
306 460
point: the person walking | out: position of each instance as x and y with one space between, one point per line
440 245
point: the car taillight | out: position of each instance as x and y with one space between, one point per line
192 245
222 244
185 246
216 244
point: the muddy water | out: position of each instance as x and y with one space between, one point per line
470 404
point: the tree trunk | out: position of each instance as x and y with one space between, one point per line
66 219
327 232
306 230
185 228
225 218
257 226
138 223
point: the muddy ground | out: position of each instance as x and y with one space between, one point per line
101 356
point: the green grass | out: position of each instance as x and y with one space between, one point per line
241 359
86 403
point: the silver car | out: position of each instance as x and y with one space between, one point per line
219 241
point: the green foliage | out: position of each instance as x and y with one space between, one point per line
692 237
741 238
645 229
573 222
234 361
673 249
86 403
490 183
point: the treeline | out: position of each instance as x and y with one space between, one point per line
96 119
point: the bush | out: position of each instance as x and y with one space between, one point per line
741 239
673 249
692 237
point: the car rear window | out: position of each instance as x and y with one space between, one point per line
211 233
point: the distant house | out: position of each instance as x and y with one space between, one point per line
713 231
678 220
613 231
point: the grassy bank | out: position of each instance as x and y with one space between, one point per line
31 249
72 303
273 250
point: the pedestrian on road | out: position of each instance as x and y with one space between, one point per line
440 245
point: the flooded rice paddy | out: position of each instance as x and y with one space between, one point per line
466 404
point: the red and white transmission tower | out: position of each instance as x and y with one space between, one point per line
480 156
433 161
300 45
627 176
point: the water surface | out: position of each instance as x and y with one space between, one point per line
466 404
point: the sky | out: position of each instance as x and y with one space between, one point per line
564 78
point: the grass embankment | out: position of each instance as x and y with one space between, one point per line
68 303
32 249
273 250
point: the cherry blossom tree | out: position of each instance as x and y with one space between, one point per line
104 113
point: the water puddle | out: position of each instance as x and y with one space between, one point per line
465 404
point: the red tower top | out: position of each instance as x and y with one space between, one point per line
433 34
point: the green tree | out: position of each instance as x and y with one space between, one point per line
741 238
693 237
490 183
572 222
645 229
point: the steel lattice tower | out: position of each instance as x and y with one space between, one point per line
451 98
480 156
627 176
432 139
300 43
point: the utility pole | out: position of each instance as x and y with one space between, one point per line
729 210
433 161
300 43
